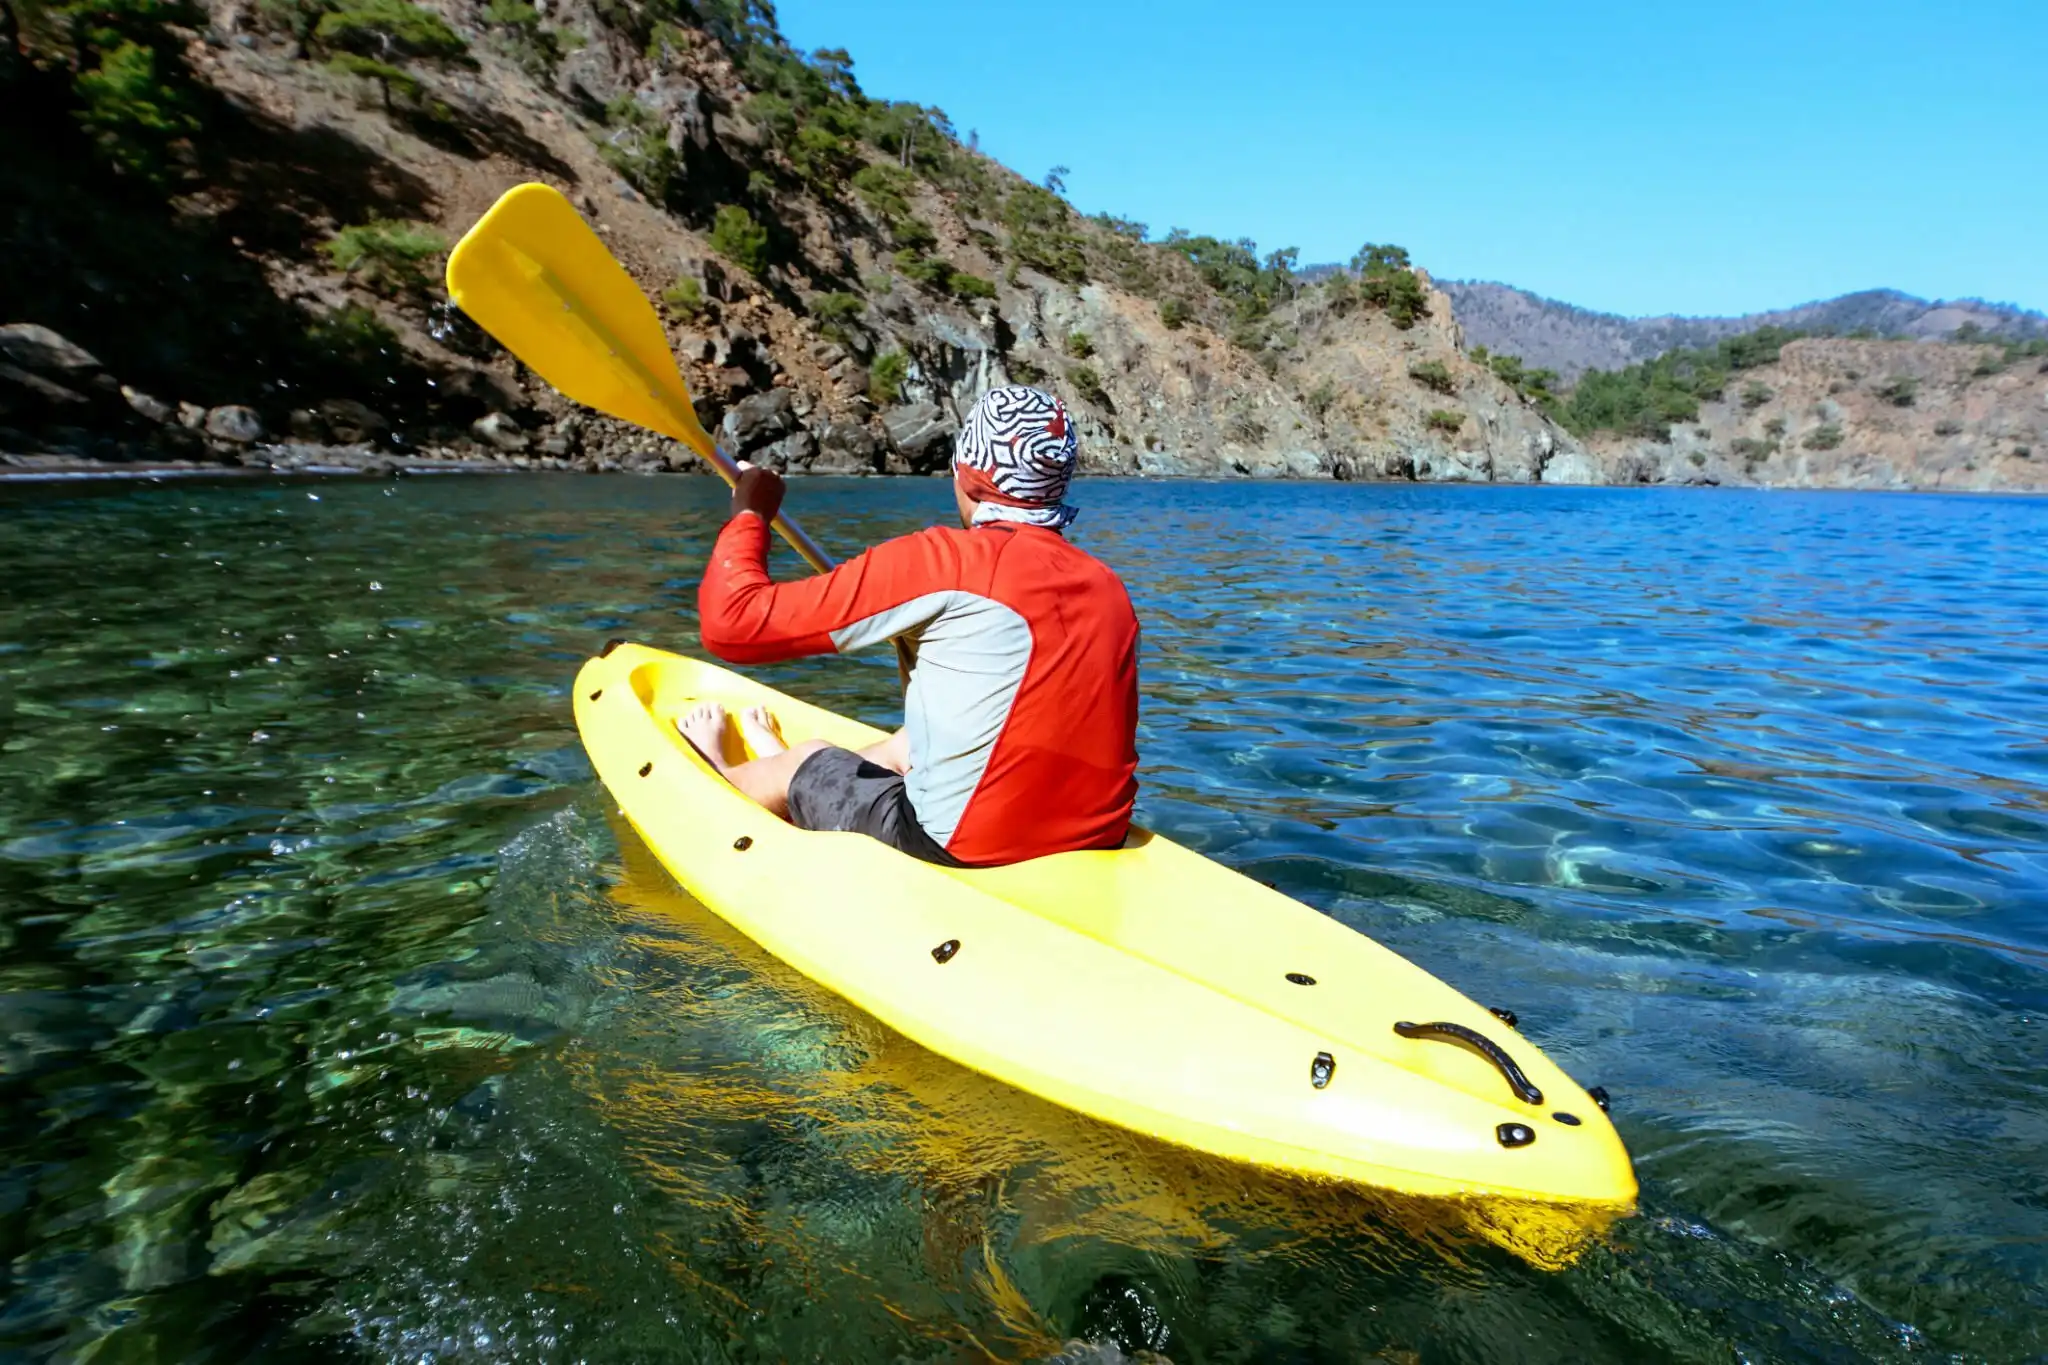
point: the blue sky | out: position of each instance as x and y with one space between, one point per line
1637 158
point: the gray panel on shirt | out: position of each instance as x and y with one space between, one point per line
972 653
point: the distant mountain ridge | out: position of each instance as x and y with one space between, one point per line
1572 340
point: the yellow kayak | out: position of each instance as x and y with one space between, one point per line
1145 986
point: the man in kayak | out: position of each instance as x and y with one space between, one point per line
1020 722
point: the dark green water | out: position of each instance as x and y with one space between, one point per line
342 1023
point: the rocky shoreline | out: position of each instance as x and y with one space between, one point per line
1964 427
64 414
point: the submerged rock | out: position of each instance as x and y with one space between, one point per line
351 423
498 431
232 422
36 389
155 409
38 349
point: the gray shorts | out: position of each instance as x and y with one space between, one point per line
837 789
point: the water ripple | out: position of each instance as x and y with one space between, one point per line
340 1017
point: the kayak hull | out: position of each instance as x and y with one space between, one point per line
1145 986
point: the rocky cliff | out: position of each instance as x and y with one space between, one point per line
1837 413
841 276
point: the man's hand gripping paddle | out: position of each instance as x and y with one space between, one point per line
533 275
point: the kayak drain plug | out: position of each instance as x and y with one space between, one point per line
1599 1096
1568 1120
647 767
1515 1134
1508 1017
1321 1069
1301 978
595 695
743 843
944 952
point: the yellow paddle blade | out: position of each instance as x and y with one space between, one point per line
533 275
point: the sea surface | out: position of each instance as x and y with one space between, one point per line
344 1021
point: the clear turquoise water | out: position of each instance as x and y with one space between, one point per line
342 1021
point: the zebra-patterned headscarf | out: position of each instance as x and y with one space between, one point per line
1016 456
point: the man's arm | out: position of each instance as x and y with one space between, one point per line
746 617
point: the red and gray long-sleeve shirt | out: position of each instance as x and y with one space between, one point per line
1023 707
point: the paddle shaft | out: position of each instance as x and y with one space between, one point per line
798 538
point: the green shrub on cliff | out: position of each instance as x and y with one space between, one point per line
837 315
737 237
390 30
885 378
886 190
354 340
1251 286
391 80
1432 375
522 36
1535 385
1386 281
1751 451
1443 419
1174 312
919 138
373 40
637 148
133 110
837 307
913 234
919 268
686 298
773 115
1088 384
965 286
130 88
823 155
1041 234
1900 390
1824 437
387 256
1645 399
1321 398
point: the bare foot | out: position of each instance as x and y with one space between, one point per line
704 726
762 732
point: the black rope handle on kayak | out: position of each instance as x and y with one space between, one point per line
1484 1046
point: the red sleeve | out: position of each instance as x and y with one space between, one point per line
747 618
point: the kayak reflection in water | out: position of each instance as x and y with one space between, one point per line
1020 721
